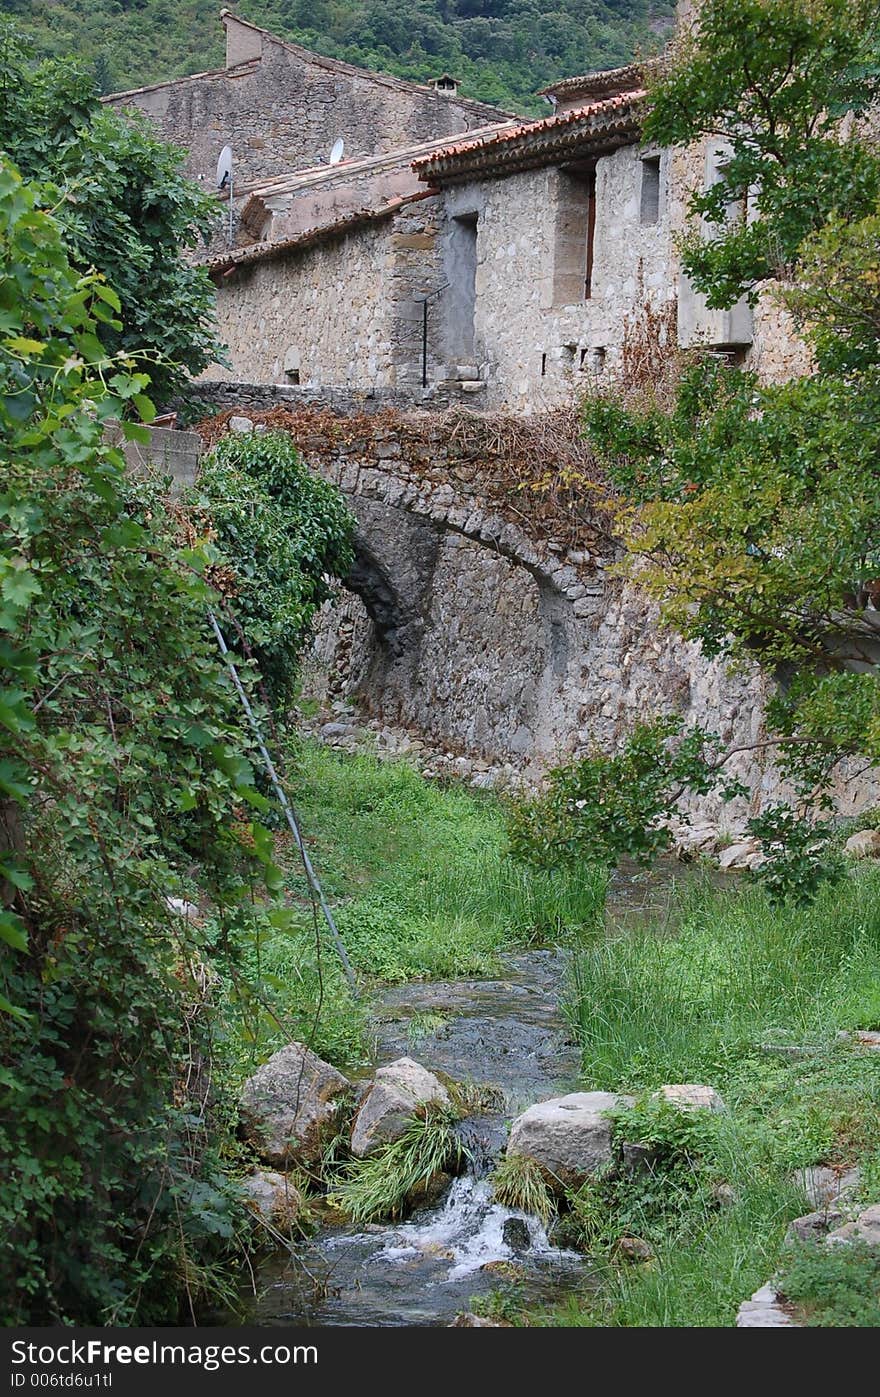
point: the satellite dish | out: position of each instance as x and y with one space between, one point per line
337 151
224 168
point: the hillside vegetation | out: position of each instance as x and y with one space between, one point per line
503 51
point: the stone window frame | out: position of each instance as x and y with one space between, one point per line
650 188
574 235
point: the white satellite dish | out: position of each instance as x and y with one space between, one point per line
337 151
224 168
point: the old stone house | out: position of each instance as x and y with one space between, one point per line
508 267
454 251
458 254
282 108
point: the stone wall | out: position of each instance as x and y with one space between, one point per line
320 315
537 346
345 312
487 638
282 107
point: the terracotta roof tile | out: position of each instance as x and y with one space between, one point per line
609 116
258 252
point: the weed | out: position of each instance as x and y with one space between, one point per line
380 1185
518 1182
424 1024
834 1286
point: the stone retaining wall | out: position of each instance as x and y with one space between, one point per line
469 625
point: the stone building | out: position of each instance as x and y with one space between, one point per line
282 108
509 267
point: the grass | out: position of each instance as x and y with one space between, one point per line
420 876
737 976
421 889
517 1182
748 999
381 1185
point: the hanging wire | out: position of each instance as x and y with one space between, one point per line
286 806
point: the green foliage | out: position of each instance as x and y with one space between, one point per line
421 876
502 50
769 82
286 534
798 859
837 294
124 204
834 1287
597 809
125 777
381 1185
737 974
517 1182
671 1193
122 765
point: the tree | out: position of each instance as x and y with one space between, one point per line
771 79
749 512
125 778
126 208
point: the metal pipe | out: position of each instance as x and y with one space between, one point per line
286 807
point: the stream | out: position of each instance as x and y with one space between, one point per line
507 1033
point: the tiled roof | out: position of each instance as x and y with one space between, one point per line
294 181
259 252
608 82
587 129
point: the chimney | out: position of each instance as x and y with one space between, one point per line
243 41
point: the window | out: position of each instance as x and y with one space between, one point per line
462 278
649 207
575 237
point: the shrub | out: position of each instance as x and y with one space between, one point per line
380 1185
834 1287
286 534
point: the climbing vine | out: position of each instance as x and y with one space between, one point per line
125 781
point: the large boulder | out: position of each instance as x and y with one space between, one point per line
826 1188
863 845
290 1107
569 1137
745 853
399 1092
273 1198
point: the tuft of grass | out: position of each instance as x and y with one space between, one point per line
518 1182
424 1024
380 1185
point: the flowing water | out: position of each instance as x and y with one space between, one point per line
508 1033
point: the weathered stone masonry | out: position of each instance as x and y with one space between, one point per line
482 637
282 107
